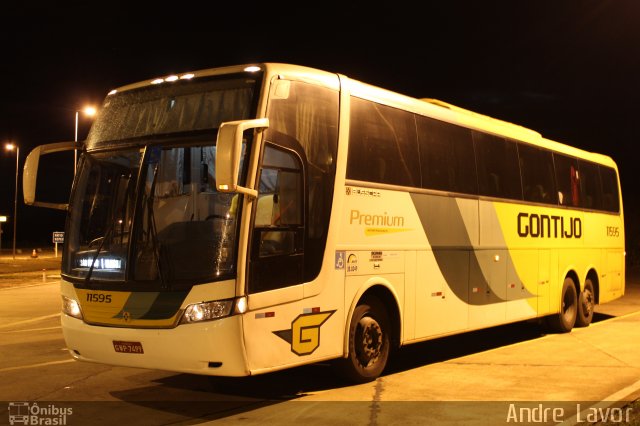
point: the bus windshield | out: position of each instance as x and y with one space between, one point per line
151 216
145 210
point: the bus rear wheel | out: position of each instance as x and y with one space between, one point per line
564 321
586 304
369 342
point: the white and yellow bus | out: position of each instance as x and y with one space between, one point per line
241 220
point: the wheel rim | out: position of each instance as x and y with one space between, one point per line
587 302
369 341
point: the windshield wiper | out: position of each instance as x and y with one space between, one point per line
153 232
107 235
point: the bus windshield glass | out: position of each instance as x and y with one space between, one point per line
151 216
145 212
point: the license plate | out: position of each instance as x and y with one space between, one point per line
128 347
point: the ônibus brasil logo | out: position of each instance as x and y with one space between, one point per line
26 413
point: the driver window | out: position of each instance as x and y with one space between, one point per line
279 207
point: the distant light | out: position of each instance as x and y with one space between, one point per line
187 76
3 218
113 92
252 68
158 81
10 146
89 111
171 78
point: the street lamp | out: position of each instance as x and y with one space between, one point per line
89 111
10 147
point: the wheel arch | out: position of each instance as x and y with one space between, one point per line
384 292
576 281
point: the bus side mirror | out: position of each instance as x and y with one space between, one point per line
229 152
30 173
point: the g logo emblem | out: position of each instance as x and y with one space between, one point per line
304 335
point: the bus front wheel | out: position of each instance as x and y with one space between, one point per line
586 304
369 342
564 321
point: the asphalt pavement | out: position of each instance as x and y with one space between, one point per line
28 268
600 363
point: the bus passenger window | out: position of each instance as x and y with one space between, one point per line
568 180
497 161
610 198
536 168
590 186
446 156
306 115
383 145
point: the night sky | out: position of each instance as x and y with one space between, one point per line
567 69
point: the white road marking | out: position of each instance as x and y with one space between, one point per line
42 364
605 403
33 329
11 324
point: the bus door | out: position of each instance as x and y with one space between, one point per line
276 259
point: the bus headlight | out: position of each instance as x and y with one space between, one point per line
207 311
71 307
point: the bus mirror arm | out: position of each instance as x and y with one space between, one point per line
229 153
30 173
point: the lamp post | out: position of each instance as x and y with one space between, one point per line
10 147
2 220
89 111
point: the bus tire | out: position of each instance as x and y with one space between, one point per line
586 304
369 342
564 321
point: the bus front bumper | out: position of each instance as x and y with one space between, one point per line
209 348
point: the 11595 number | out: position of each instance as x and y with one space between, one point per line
98 298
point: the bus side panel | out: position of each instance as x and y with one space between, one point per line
614 276
607 232
442 304
523 303
443 274
545 244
